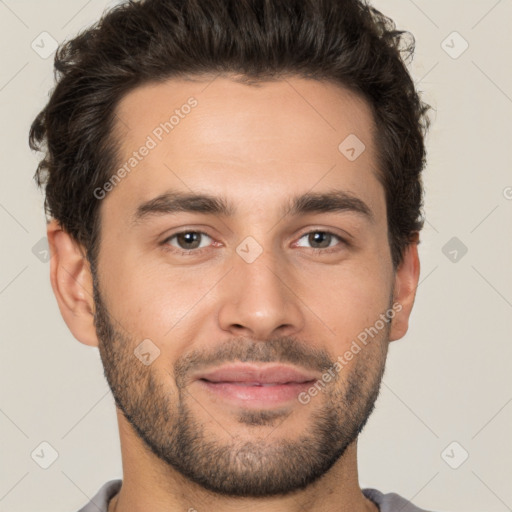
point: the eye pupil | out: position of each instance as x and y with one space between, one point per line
188 237
318 237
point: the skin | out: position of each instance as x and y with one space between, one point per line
257 146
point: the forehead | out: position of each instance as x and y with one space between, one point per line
218 135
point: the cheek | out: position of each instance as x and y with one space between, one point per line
350 311
150 300
347 298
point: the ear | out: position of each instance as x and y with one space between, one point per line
71 280
406 282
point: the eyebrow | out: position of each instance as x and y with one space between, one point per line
311 202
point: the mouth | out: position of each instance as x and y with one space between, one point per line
254 383
256 386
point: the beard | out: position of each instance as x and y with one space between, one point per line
162 417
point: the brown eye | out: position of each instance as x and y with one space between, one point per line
320 237
187 240
320 240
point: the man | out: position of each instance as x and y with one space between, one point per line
282 142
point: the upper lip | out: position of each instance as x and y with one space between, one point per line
267 374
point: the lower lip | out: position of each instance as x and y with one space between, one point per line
258 396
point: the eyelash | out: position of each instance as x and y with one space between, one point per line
182 252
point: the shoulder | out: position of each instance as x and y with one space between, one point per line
99 502
390 502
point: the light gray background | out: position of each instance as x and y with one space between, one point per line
447 380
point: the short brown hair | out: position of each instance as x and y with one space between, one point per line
347 42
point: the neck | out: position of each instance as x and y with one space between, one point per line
150 484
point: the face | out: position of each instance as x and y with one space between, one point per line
246 277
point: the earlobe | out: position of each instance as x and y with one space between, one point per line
406 282
71 281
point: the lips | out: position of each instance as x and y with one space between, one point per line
252 375
255 386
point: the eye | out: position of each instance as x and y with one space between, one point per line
324 239
188 241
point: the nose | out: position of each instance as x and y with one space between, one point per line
258 299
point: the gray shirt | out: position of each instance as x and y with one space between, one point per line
390 502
